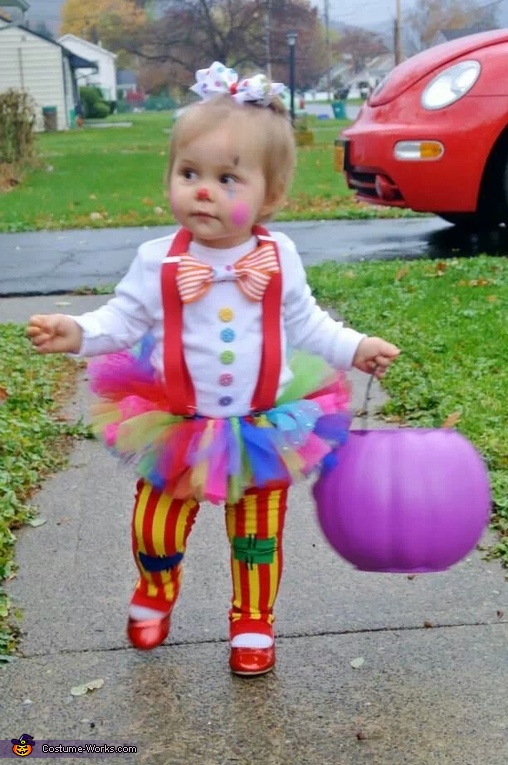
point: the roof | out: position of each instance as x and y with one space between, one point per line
23 5
455 34
69 38
76 62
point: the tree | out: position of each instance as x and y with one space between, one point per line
42 29
108 22
359 46
422 24
193 33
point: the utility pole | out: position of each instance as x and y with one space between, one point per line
268 42
397 37
328 58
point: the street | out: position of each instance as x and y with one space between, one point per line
57 262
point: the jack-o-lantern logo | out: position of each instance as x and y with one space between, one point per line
23 745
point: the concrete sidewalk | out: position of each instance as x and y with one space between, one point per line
431 690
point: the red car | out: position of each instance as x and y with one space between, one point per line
433 136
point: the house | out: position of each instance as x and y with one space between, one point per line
103 74
445 35
126 82
44 69
357 83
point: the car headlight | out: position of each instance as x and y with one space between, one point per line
450 85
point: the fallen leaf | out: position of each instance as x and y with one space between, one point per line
3 395
401 273
428 625
80 690
357 663
451 420
36 522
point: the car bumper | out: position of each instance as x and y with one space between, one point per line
450 183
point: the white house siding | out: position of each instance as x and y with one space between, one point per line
105 77
33 64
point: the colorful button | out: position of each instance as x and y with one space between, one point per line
226 314
225 400
225 379
227 357
227 335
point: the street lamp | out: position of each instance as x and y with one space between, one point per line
292 37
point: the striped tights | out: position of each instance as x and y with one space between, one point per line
160 529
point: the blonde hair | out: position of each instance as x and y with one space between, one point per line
268 131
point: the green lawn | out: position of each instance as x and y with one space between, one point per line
110 177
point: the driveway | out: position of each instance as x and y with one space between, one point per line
52 262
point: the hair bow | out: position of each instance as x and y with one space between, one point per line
221 79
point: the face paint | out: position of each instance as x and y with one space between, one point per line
240 214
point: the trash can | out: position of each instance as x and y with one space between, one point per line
339 110
50 118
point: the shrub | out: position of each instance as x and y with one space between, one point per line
17 119
93 103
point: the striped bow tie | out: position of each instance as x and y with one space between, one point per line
252 274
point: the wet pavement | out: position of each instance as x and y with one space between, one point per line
430 690
52 262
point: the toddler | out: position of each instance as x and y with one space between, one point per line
210 404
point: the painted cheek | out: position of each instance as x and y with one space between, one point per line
240 214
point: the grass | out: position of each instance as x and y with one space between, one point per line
111 177
34 442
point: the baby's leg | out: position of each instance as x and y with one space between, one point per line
255 526
160 527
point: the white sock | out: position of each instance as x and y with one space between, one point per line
251 640
141 613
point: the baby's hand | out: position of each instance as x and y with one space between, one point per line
54 333
374 355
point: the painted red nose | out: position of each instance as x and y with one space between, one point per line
203 195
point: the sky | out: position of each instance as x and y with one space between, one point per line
364 11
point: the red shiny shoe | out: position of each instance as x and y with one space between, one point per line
249 662
147 633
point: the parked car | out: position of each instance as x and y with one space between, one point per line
433 135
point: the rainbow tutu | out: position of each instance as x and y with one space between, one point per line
217 459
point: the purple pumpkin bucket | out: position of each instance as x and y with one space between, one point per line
404 501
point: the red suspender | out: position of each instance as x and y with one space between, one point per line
179 387
269 372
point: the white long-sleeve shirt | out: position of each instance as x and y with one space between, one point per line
221 330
